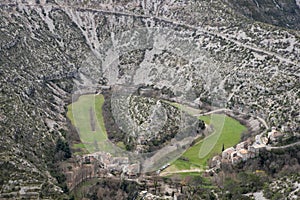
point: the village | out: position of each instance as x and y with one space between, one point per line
245 150
103 164
99 164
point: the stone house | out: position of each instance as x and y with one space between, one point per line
236 160
120 160
242 145
274 135
244 154
227 153
253 149
133 170
216 162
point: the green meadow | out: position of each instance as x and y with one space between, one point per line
86 115
227 131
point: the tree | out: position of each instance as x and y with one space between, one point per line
94 196
62 150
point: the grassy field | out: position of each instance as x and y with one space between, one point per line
227 131
86 115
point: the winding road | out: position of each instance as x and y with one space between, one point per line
162 19
214 111
282 147
180 171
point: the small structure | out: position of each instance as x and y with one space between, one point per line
88 159
244 154
252 155
105 87
162 168
274 134
216 162
227 153
253 149
133 170
265 140
242 145
120 160
257 140
114 167
235 160
233 154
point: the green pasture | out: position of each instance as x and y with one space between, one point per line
80 114
227 131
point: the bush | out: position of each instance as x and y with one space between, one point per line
62 146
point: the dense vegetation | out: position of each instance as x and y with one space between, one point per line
191 187
277 162
121 133
55 155
115 134
109 189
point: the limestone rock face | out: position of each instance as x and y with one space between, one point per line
202 51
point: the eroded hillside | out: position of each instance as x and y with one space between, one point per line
202 52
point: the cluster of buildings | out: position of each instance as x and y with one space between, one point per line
245 150
119 165
242 152
97 165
